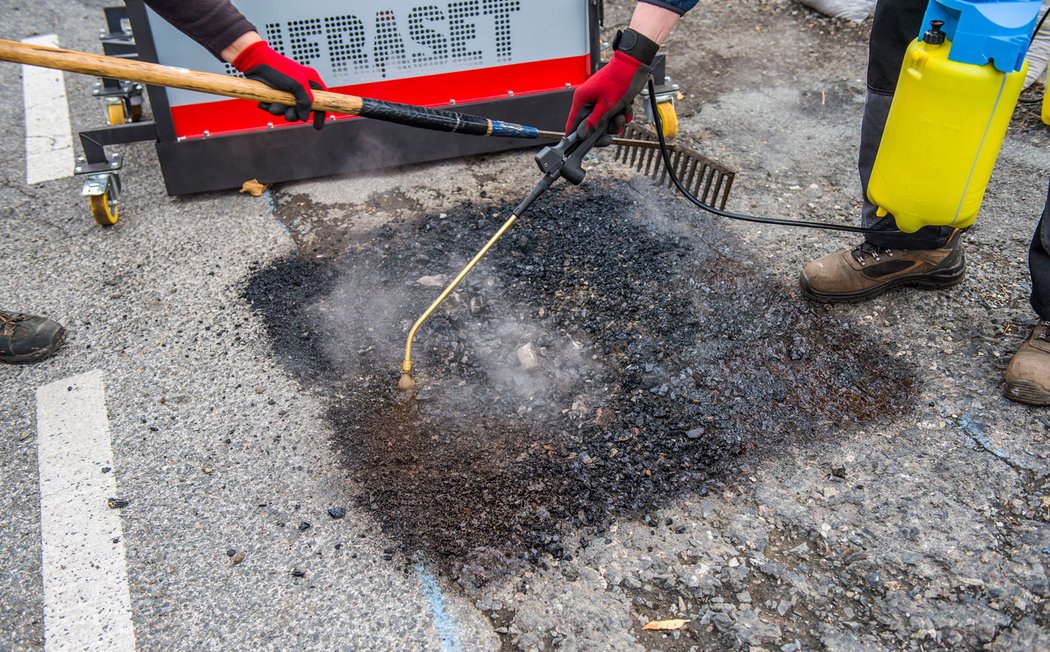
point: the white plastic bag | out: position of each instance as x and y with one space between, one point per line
849 9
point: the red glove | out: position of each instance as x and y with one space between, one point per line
262 63
608 93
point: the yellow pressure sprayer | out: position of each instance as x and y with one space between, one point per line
957 90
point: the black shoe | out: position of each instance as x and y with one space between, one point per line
24 338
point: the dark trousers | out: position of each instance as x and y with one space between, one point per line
897 23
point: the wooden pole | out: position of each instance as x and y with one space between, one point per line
157 75
154 74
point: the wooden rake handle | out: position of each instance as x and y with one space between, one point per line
157 75
246 89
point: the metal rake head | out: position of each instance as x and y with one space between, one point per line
708 180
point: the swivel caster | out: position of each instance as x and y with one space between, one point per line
669 119
667 96
116 112
121 100
103 193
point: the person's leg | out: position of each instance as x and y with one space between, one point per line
896 24
1028 375
1039 264
25 338
929 258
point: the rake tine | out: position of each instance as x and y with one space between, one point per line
664 177
651 163
688 179
676 165
707 186
718 187
708 180
705 170
682 169
725 195
660 173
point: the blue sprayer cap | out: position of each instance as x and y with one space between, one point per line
999 31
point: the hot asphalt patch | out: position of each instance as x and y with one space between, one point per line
603 361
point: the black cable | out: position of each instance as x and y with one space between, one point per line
665 154
1039 27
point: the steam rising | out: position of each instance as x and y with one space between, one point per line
365 319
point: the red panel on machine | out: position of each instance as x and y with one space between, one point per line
231 116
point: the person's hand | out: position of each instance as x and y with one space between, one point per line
607 96
262 63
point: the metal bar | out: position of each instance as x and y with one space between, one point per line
596 15
648 156
94 142
147 49
134 132
115 17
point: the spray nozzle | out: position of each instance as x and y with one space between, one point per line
565 160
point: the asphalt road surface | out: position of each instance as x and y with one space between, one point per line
214 461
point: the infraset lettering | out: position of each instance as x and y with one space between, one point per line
466 32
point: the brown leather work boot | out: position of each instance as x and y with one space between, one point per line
1028 376
867 271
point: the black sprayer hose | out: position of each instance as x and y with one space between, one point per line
666 155
1039 27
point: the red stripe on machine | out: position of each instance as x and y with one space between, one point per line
230 116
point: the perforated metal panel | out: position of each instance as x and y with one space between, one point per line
512 60
355 43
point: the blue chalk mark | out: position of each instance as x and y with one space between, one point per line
511 130
445 626
975 432
1046 551
271 201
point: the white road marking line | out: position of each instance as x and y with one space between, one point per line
49 136
87 602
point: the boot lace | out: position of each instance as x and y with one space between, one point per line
863 250
8 322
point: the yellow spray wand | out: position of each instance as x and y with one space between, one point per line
564 160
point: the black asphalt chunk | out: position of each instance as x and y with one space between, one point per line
616 361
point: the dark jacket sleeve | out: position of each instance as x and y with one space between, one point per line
677 6
215 24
